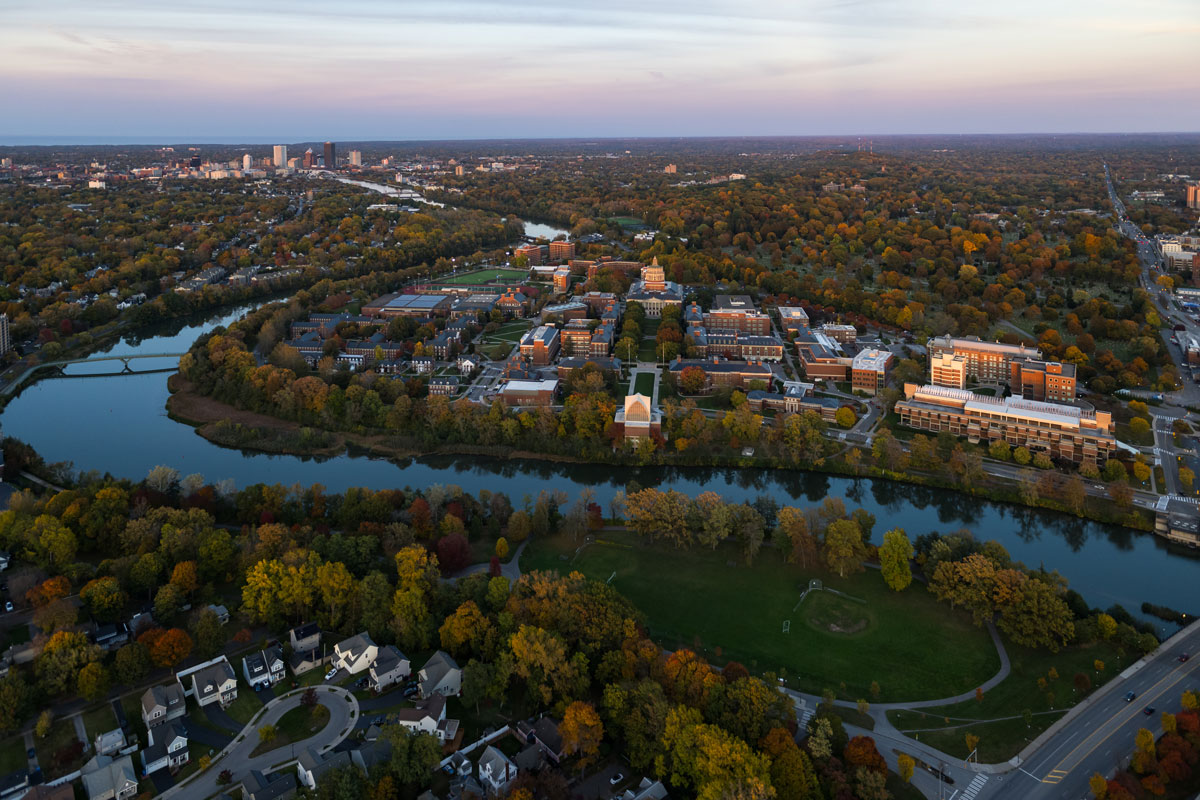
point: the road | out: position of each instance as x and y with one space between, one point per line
343 713
1098 736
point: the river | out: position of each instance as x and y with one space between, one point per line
119 425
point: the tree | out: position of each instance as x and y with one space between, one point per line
167 648
184 577
1106 625
844 548
1098 785
59 664
467 631
972 742
502 548
267 733
132 663
894 555
16 701
454 552
692 380
93 681
104 599
1039 617
309 698
206 633
861 752
845 417
44 722
905 765
581 732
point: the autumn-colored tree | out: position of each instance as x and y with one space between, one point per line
48 591
894 555
844 550
184 576
1099 786
93 681
467 632
502 548
972 742
861 752
167 647
1144 757
581 732
905 765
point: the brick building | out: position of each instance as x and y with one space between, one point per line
985 361
870 369
1049 381
540 345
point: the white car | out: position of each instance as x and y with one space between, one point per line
330 675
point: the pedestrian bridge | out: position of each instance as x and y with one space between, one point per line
60 367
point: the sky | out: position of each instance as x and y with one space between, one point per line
260 71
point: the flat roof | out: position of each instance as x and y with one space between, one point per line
975 343
529 386
872 359
417 301
733 302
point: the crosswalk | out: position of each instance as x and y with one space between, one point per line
974 787
1054 776
806 714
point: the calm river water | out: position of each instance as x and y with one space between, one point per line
119 425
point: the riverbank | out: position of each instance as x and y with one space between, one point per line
214 419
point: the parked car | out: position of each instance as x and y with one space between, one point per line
616 778
8 606
329 675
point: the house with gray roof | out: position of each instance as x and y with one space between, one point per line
168 748
440 675
355 654
277 786
162 704
108 778
310 765
389 668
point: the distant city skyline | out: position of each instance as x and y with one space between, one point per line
132 70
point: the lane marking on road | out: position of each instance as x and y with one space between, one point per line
1054 776
1121 718
974 787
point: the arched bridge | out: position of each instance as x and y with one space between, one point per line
64 363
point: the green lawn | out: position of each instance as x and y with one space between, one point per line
914 647
998 720
644 384
62 734
12 755
295 726
245 707
101 720
647 350
487 276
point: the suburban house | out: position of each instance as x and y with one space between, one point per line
306 648
212 682
254 668
371 753
168 748
428 716
106 778
163 703
222 613
279 786
646 790
389 668
496 771
276 668
112 635
440 675
310 766
546 736
355 654
110 742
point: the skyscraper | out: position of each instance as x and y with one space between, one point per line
330 156
247 163
5 342
356 158
280 156
310 160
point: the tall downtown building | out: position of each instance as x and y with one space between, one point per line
330 156
280 156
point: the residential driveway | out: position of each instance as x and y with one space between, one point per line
162 780
235 757
217 716
388 700
206 736
599 785
265 694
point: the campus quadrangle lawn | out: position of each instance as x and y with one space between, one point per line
644 384
914 647
488 275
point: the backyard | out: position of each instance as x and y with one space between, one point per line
912 646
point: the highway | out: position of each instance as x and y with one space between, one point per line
1098 736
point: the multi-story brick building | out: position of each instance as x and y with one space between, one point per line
949 370
562 280
654 292
513 302
562 251
1065 432
540 345
846 334
1050 381
720 372
793 318
821 357
870 369
985 361
575 338
532 253
734 313
528 393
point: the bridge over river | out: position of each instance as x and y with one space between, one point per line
60 366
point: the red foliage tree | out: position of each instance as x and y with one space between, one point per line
860 752
494 567
734 671
421 516
169 647
454 552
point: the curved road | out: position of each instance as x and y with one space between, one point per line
343 713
